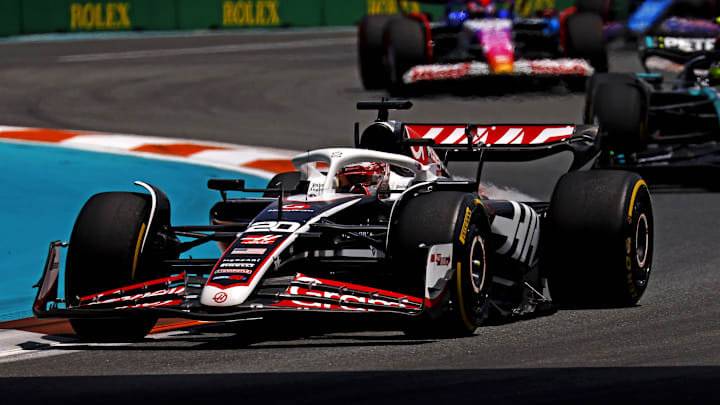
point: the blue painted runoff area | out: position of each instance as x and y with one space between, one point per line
44 188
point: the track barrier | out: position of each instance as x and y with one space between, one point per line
48 16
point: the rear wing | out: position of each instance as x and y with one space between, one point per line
500 143
430 143
489 135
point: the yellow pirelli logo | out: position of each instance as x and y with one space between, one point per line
465 225
246 13
100 16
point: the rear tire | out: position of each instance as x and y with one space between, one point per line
599 7
406 48
104 253
437 218
585 40
599 251
371 51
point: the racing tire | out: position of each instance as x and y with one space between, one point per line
619 107
594 82
406 46
371 51
104 253
599 7
288 181
585 40
444 217
599 249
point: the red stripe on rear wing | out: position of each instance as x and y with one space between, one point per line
490 135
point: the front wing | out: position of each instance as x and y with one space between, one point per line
528 68
178 296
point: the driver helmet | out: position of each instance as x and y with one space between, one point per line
714 74
363 178
714 69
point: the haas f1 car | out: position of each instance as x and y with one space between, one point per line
378 232
668 133
476 39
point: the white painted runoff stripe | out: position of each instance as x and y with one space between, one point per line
17 345
206 50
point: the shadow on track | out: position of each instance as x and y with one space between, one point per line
493 86
257 334
637 385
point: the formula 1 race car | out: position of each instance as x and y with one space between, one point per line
663 132
380 231
670 33
672 17
478 39
661 53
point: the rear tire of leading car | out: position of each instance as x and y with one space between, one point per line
599 7
599 248
406 47
105 253
585 40
371 51
437 218
620 108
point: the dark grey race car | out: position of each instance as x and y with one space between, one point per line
667 132
380 232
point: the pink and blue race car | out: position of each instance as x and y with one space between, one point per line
476 39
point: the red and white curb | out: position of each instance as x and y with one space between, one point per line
253 160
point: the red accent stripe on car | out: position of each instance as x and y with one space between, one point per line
179 277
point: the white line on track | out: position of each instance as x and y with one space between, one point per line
205 50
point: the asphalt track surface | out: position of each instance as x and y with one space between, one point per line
299 92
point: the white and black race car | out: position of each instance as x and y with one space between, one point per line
379 232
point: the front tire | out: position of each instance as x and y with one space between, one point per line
619 107
105 253
444 217
599 251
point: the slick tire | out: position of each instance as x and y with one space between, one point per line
619 107
592 85
600 244
444 217
288 181
406 47
371 51
585 39
599 7
104 253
